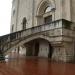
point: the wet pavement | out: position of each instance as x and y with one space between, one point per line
35 66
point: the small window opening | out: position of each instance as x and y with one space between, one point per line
24 23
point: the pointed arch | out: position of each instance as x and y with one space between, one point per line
43 5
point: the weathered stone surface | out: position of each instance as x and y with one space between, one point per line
57 35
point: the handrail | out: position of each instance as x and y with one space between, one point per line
37 29
5 36
36 26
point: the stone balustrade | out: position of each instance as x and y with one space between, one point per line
53 29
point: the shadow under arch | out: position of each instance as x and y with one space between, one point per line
39 46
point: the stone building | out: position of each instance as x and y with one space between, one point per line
44 28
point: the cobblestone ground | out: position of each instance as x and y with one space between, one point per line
35 66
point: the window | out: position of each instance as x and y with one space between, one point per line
48 9
24 21
48 19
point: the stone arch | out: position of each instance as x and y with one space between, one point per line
36 37
41 10
39 46
43 5
26 40
23 47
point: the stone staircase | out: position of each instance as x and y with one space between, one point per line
10 41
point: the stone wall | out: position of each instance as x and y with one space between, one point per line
14 16
33 10
43 49
26 8
64 53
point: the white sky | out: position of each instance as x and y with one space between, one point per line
5 16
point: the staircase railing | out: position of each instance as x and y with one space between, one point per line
5 41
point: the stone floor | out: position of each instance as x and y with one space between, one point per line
35 66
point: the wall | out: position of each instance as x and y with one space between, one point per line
66 9
73 10
26 8
43 49
14 18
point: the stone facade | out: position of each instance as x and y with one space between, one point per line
55 41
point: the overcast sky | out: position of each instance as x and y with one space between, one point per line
5 16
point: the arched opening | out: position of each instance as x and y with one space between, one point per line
48 9
39 47
24 21
45 12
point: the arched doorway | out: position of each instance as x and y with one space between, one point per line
40 48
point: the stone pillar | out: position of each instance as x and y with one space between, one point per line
59 54
69 50
63 53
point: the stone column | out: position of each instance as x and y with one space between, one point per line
69 50
63 53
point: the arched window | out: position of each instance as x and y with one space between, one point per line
48 18
48 9
45 12
24 21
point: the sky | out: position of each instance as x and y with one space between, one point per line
5 16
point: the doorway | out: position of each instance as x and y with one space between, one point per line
50 51
36 49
